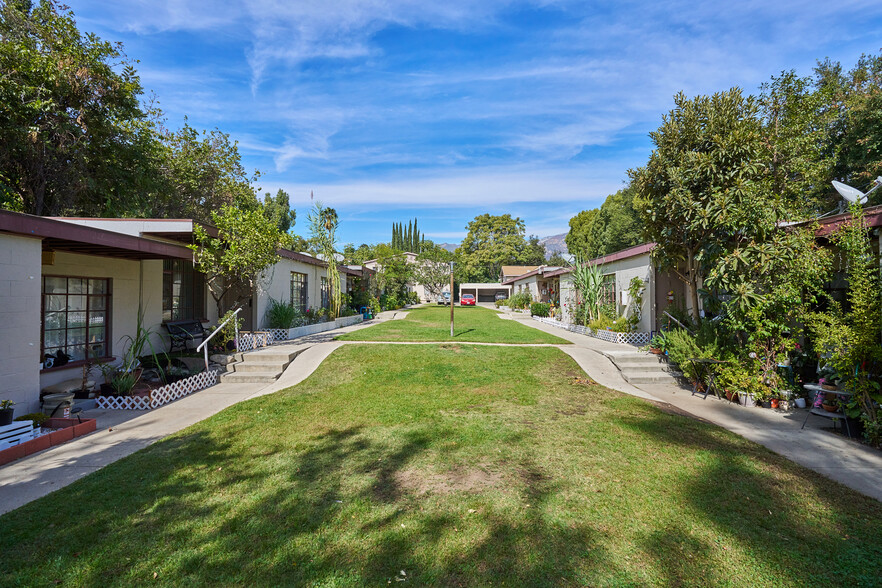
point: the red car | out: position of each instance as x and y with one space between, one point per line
467 300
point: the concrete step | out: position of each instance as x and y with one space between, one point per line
267 355
662 378
635 358
251 377
263 366
634 365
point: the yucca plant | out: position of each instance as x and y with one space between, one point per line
588 281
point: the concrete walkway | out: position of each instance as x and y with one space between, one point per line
851 463
121 433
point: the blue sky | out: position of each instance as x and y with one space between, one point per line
446 110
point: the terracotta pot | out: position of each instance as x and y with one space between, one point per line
774 403
656 351
830 407
732 396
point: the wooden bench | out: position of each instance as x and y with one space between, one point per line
17 432
180 333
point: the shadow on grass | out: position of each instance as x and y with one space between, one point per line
195 509
804 528
463 332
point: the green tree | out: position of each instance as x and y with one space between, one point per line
432 269
577 238
701 193
323 233
75 137
245 246
534 253
795 130
491 242
203 172
557 259
851 338
393 273
278 209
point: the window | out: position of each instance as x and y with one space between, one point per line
608 290
298 291
326 297
76 317
183 291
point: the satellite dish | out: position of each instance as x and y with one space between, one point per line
847 192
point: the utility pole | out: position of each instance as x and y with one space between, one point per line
451 299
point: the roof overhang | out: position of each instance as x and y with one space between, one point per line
58 235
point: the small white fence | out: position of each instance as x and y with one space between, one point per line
257 339
637 339
160 396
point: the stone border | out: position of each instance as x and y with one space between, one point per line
160 396
247 342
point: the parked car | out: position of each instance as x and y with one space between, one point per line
501 295
444 298
467 300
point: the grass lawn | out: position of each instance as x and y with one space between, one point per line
471 324
447 465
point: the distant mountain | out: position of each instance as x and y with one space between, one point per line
451 247
555 243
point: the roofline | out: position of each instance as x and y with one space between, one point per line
46 228
538 270
829 225
628 253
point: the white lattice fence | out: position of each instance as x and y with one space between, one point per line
249 341
636 339
278 334
124 402
160 396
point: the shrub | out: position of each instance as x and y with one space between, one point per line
706 343
38 417
502 303
282 315
413 298
601 323
622 325
520 300
539 309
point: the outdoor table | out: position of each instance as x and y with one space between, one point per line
821 412
704 372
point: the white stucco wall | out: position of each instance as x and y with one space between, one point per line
624 270
276 284
20 288
131 281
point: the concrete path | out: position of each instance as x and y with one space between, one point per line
851 463
121 433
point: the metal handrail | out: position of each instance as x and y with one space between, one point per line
204 343
679 323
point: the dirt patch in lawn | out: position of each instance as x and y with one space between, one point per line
459 479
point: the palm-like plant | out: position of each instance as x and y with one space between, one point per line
588 281
323 227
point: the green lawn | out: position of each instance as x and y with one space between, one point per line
471 324
447 465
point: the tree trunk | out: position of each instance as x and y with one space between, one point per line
692 284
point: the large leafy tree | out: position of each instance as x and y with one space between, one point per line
796 125
393 273
491 242
701 193
616 225
578 238
432 268
244 246
75 137
278 209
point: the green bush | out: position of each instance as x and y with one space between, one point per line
622 325
520 300
539 309
38 417
707 343
601 323
502 303
282 315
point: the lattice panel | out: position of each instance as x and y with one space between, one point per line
249 341
637 339
160 396
124 402
278 334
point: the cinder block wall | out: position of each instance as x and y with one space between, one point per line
20 261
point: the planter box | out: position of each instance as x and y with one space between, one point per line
160 396
68 429
288 334
637 339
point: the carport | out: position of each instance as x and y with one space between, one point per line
484 292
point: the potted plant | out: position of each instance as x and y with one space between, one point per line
6 412
658 344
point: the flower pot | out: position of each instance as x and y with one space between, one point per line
731 396
774 402
6 416
767 404
656 351
745 399
830 407
800 403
